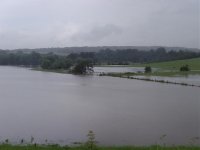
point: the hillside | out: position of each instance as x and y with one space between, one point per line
68 50
175 65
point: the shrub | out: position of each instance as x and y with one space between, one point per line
91 142
83 67
184 68
147 69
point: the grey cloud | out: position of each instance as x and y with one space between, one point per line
47 23
98 33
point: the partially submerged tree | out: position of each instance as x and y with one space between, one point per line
83 67
147 69
185 68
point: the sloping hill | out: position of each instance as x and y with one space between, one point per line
194 64
68 50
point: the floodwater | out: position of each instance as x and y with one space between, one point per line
189 79
62 108
118 69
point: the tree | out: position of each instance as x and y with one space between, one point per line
46 63
147 69
35 59
83 67
184 68
67 63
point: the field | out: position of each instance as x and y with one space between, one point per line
56 147
194 64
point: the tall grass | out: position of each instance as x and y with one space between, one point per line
91 144
57 147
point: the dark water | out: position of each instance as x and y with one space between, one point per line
62 108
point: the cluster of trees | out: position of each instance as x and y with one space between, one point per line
83 62
48 61
185 68
53 62
83 67
147 69
136 56
125 57
20 59
78 65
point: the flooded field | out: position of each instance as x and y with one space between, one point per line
63 107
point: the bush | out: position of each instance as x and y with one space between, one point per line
83 67
91 142
147 69
185 68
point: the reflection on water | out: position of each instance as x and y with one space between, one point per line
189 79
62 108
118 69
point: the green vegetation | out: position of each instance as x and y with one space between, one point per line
82 67
170 73
49 62
32 147
163 73
105 56
91 144
147 69
172 68
185 68
130 56
82 63
193 63
57 147
165 69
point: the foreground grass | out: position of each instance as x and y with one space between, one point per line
150 148
57 147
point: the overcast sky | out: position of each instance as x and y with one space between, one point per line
60 23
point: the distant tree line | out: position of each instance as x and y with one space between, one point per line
125 57
48 61
85 60
20 58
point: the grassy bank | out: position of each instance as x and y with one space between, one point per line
131 76
165 69
57 147
194 64
158 73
